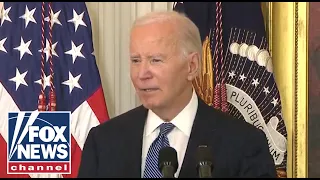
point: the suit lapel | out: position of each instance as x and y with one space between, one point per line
201 134
135 140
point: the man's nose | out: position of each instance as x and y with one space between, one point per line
144 70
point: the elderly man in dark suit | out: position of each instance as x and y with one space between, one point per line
165 57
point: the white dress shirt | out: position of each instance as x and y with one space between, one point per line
178 137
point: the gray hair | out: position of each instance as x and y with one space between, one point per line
188 35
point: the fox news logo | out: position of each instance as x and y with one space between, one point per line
39 142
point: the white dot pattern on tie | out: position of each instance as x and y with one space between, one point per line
151 169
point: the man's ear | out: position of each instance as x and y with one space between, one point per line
193 65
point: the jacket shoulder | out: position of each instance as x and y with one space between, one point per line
232 126
122 121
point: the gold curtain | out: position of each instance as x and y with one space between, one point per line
286 25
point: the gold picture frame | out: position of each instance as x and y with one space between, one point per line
287 29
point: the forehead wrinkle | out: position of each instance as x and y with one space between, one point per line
161 44
168 39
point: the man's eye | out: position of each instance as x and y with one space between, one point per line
156 60
134 60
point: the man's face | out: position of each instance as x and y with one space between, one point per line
157 68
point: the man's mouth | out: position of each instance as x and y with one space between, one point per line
149 89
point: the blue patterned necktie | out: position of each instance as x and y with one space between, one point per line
151 169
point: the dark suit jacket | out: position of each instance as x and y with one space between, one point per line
113 149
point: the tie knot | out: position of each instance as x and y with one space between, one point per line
165 128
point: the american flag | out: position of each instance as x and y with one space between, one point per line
76 78
245 64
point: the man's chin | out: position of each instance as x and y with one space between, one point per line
150 106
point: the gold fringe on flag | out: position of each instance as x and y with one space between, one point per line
203 83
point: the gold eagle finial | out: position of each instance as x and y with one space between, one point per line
203 83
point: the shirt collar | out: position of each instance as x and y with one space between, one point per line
183 121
